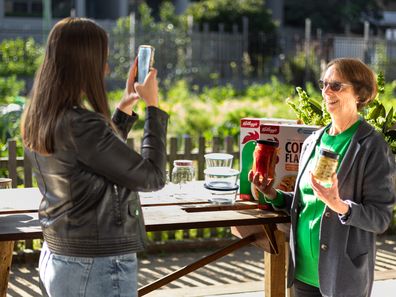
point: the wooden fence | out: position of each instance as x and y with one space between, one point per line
19 170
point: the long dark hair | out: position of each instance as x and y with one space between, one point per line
73 68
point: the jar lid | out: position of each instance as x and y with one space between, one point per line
182 163
268 142
328 153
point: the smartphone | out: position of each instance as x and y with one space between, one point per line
145 61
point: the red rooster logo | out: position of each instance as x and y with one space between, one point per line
251 136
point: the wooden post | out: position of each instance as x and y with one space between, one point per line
28 183
5 183
187 154
6 248
12 162
275 269
201 157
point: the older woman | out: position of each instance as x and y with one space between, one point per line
334 226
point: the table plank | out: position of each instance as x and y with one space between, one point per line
160 218
175 218
28 199
19 200
19 227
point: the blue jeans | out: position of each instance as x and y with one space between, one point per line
64 276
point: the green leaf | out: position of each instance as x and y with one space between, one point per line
388 121
382 111
315 105
374 112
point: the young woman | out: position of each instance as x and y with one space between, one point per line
90 212
334 227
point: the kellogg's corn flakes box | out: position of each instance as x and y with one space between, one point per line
290 137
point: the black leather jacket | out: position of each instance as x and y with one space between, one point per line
90 204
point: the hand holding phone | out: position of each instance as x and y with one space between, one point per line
145 62
149 90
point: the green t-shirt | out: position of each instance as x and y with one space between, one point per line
308 224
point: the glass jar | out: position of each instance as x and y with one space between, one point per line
182 173
265 157
326 165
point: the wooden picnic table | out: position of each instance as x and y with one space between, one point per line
163 212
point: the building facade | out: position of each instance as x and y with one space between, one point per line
24 17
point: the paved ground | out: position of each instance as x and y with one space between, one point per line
237 274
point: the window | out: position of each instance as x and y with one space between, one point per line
27 8
34 8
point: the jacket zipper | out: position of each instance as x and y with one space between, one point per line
117 211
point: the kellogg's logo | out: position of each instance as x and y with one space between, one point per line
266 129
250 136
250 123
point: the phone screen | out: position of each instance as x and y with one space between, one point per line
145 58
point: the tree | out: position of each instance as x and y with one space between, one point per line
332 15
230 12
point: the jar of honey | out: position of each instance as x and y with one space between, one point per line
326 165
265 157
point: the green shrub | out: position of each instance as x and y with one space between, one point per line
218 94
275 89
19 57
10 87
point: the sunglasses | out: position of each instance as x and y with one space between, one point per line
335 86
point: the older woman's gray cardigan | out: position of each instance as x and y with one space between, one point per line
366 181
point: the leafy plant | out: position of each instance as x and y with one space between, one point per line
230 12
308 110
382 120
19 57
218 93
10 87
275 89
9 120
231 123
